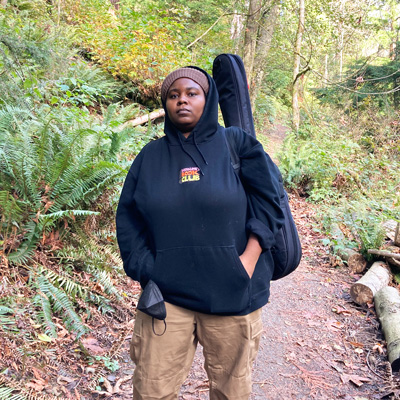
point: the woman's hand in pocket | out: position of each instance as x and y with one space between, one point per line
251 255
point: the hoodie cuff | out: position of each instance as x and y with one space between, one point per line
264 234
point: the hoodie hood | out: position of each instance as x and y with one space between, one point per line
207 125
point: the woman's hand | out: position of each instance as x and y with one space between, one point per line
251 254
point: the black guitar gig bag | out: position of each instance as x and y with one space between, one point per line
234 100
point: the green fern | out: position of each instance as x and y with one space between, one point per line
104 279
6 310
45 315
62 304
51 173
6 393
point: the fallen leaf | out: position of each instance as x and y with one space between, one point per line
108 386
356 344
356 379
65 379
44 338
379 348
92 344
38 374
119 383
341 310
37 384
333 324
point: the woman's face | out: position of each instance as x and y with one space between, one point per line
185 104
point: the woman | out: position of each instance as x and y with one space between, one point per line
186 222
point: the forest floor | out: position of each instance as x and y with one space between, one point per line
316 343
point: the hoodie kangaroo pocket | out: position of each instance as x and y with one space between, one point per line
205 279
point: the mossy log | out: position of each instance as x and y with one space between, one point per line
387 305
356 262
377 277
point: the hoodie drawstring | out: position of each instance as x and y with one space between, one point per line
197 147
186 152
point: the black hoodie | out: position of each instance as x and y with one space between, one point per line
184 217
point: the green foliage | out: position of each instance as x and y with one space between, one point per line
139 47
63 153
61 304
86 86
111 365
53 174
361 220
7 393
7 318
328 159
367 83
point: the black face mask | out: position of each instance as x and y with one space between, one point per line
151 302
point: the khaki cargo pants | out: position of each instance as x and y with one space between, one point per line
230 346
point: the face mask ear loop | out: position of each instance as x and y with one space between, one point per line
165 327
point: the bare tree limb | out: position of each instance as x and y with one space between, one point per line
384 253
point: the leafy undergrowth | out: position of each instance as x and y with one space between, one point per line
35 365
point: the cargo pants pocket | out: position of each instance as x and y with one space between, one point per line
136 339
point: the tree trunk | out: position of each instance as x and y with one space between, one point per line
267 25
377 277
387 305
236 30
250 37
326 75
115 3
356 262
296 67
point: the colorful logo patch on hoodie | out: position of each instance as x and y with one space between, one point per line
189 175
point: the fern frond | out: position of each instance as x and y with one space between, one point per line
45 315
28 246
105 280
6 310
66 283
10 209
48 221
6 394
61 302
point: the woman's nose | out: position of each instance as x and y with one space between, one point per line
182 100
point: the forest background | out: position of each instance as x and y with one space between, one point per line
73 73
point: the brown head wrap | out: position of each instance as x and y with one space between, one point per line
187 72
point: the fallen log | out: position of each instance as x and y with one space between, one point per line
392 230
144 119
377 277
356 262
391 253
387 305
